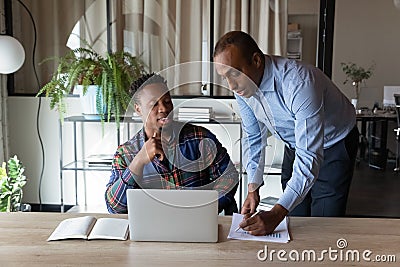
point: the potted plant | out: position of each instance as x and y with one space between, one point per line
356 75
11 184
112 74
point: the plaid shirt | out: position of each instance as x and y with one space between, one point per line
194 159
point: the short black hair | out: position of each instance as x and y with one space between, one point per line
241 40
144 80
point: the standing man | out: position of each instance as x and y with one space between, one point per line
302 107
168 154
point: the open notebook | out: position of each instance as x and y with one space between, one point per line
88 227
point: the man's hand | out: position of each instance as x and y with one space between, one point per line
265 222
151 149
252 200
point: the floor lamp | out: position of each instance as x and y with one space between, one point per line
12 54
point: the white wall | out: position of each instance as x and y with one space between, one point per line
25 143
367 31
304 7
306 14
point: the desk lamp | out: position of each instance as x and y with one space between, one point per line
12 54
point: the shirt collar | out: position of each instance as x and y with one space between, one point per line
267 82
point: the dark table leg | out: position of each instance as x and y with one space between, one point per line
364 140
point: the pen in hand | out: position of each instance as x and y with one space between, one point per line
254 214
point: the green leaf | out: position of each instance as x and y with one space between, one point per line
355 73
11 183
113 73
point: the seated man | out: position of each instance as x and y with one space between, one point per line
168 154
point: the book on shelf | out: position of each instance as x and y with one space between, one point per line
294 34
293 56
136 116
267 203
193 114
193 119
202 110
88 227
100 160
272 169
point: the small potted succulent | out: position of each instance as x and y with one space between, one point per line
111 74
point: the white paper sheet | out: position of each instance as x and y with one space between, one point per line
280 235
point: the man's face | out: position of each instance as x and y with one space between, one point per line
243 77
155 107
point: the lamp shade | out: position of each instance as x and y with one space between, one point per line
12 54
397 3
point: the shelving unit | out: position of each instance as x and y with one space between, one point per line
82 165
294 48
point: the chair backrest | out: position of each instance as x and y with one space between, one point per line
397 102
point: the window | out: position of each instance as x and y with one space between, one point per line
164 33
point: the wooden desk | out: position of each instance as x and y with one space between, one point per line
23 243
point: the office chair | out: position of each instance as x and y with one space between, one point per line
397 130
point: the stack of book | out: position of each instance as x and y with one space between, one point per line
294 34
194 113
267 203
294 44
136 116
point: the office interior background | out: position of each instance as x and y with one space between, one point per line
364 32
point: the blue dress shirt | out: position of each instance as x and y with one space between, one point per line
298 104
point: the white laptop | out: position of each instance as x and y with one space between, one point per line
173 215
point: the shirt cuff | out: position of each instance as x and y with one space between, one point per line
290 199
129 178
257 177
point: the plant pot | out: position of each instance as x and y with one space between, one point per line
88 101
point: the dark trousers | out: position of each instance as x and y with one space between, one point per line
328 195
